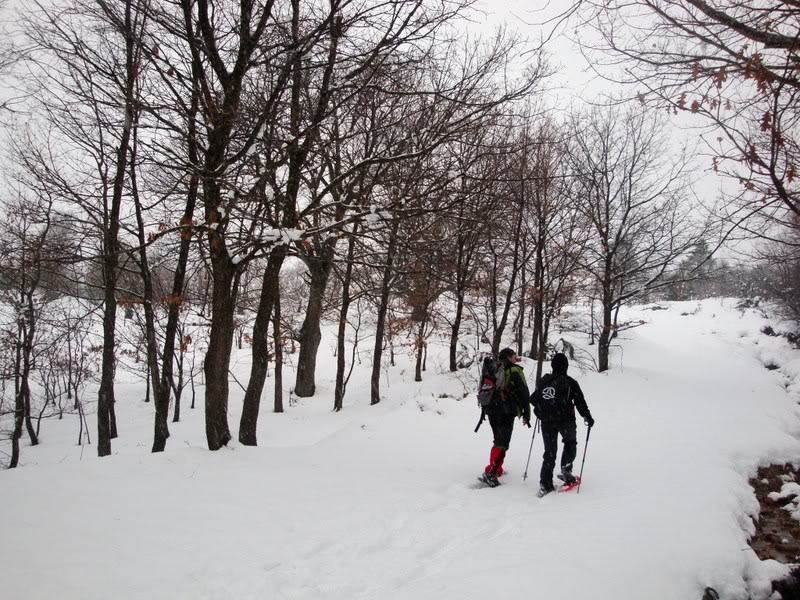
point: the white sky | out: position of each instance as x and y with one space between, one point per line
576 82
538 20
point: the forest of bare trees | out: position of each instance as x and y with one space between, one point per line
189 178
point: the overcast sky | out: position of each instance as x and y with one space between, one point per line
538 21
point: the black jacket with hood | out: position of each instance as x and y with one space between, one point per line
567 391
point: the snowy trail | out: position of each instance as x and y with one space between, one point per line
376 502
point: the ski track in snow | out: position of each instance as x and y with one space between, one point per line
377 502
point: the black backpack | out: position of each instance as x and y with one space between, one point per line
554 397
487 385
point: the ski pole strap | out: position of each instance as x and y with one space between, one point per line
480 421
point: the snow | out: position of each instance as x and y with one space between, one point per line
788 489
283 236
791 491
377 501
375 215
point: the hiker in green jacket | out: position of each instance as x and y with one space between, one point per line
511 399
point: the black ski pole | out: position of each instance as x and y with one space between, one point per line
586 445
535 426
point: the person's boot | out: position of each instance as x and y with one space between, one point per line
567 477
544 489
489 479
496 456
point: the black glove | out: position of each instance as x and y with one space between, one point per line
526 422
536 413
588 421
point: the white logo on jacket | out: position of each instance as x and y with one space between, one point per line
549 393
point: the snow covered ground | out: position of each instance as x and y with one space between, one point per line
377 502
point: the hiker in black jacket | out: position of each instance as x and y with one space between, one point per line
554 402
510 401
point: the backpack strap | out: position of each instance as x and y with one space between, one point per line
481 419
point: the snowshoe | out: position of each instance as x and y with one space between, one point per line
568 487
543 491
489 479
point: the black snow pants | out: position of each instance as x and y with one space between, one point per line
550 431
502 422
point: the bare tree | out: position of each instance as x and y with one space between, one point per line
555 229
10 55
508 251
470 219
87 63
346 301
24 251
632 191
731 65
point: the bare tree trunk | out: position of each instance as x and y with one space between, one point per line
258 370
310 335
19 418
460 291
542 352
420 347
320 269
191 382
221 111
112 416
32 431
454 332
218 356
604 339
106 416
105 396
80 423
383 307
615 320
538 299
521 315
297 156
515 266
224 278
176 414
27 327
147 384
278 344
493 300
339 391
160 428
153 377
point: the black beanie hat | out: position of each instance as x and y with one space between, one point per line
559 363
505 354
